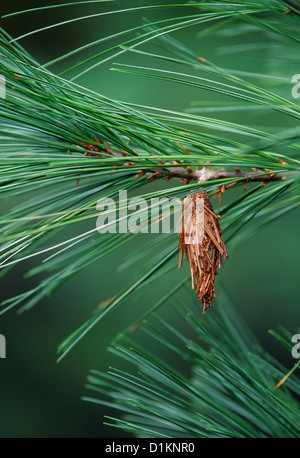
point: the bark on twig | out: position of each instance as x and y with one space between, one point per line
185 174
207 174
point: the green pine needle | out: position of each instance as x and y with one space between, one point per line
230 392
49 123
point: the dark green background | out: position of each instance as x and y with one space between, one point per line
40 398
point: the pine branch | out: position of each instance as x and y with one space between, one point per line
206 174
54 131
49 133
231 390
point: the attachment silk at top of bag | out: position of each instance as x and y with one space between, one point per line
207 251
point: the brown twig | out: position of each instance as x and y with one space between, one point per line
207 174
184 174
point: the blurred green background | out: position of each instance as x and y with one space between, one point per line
40 398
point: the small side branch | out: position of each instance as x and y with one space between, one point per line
207 174
184 174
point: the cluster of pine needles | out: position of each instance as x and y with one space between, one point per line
63 147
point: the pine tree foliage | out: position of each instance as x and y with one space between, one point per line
64 147
229 392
